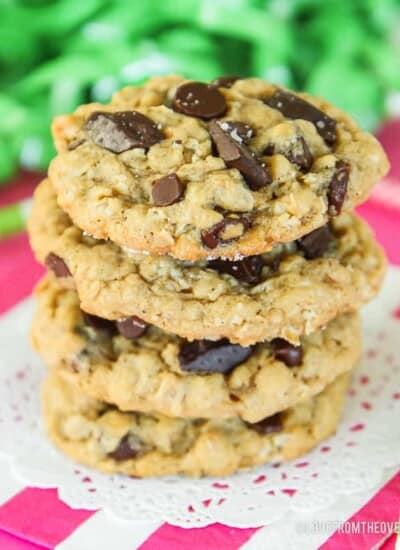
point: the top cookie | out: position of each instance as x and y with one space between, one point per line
210 170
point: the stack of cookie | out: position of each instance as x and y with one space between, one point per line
205 270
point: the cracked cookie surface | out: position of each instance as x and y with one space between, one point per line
293 295
167 164
147 373
98 435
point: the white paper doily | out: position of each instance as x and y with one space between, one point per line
367 442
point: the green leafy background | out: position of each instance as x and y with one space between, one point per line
55 55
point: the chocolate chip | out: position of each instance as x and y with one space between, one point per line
298 153
271 424
237 155
214 236
167 190
208 356
289 354
128 447
338 187
131 327
225 81
121 131
239 131
98 323
199 100
292 106
315 244
57 265
248 270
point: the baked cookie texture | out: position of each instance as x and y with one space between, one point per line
294 295
205 270
98 435
210 171
146 374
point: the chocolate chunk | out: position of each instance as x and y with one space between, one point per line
121 131
239 131
98 323
315 244
167 190
131 327
199 100
294 107
237 155
208 356
289 354
128 447
57 265
298 153
248 270
338 187
214 236
225 81
271 424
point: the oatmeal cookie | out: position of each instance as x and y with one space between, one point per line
99 435
145 369
293 290
201 170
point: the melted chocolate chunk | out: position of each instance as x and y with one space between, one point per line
167 190
214 236
338 187
271 424
128 447
121 131
199 100
57 265
98 323
239 131
225 81
315 244
289 354
237 155
248 270
297 153
292 106
131 327
208 356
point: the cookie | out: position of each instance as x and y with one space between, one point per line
99 435
291 291
201 170
155 371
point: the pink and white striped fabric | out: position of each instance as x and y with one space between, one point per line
35 519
